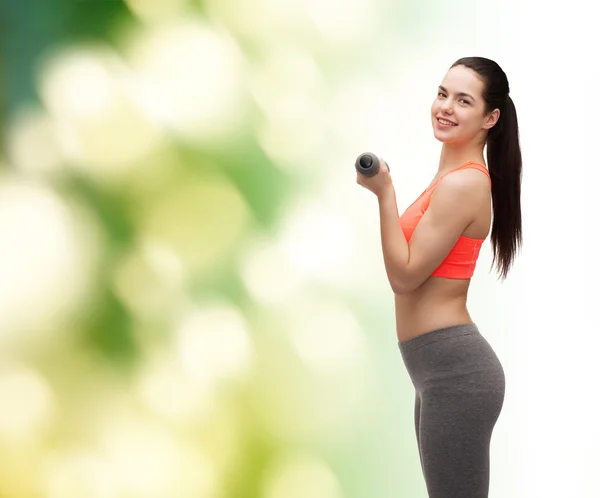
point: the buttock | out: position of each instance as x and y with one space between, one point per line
450 355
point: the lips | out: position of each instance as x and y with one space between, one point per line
446 122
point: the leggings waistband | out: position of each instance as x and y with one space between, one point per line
438 335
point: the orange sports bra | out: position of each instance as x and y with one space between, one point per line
462 258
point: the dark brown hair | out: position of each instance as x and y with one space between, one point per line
504 162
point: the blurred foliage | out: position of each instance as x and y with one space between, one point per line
167 326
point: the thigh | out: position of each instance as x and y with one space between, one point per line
455 430
417 413
417 416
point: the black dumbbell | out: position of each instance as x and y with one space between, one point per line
368 164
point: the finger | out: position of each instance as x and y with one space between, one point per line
385 162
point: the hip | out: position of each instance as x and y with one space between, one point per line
452 355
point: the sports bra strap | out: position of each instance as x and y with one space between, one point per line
464 165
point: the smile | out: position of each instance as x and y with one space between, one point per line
445 122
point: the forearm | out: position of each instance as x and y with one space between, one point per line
393 242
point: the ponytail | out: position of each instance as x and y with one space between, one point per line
505 165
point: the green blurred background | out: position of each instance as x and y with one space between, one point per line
193 302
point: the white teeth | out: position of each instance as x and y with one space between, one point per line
443 121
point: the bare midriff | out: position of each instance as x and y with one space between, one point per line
437 303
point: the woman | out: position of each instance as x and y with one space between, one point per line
430 254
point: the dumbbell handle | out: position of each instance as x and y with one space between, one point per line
368 164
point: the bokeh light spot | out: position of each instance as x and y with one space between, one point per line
213 343
300 476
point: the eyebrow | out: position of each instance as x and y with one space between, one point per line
460 94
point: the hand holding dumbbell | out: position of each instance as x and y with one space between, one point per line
368 164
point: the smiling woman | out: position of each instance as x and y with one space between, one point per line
430 254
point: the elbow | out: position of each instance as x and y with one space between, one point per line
405 285
400 287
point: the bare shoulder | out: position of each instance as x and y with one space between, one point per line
470 176
465 185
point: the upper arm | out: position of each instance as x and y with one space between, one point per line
453 206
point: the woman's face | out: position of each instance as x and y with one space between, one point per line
458 112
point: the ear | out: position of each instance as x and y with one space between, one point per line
491 119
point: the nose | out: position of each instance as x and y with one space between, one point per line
447 106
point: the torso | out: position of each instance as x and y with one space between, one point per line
439 302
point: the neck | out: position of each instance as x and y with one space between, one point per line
454 155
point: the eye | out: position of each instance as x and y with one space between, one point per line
441 94
465 101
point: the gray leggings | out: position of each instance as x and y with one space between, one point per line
459 392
